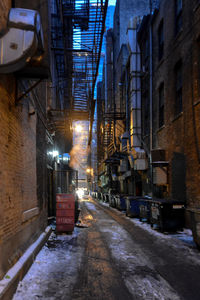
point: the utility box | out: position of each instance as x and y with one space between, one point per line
65 212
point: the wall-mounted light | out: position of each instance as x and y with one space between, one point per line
53 153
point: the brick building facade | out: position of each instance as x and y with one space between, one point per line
117 97
24 140
175 93
161 131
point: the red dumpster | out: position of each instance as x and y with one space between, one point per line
65 212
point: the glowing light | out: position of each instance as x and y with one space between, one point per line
89 171
80 193
78 128
55 153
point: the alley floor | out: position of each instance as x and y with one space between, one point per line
110 256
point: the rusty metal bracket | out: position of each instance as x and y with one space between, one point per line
17 99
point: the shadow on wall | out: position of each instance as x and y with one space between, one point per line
179 176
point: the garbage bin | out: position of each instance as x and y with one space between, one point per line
65 212
145 210
133 205
99 196
112 200
195 223
106 198
167 214
120 202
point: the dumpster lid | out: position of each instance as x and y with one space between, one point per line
166 201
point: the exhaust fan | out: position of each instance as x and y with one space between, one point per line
23 41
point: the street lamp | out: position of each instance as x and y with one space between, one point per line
89 171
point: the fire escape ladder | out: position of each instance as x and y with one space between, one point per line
77 32
108 134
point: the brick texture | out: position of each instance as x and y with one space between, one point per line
18 164
180 135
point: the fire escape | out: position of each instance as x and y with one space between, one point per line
77 33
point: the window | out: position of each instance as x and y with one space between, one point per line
178 15
178 88
161 105
160 41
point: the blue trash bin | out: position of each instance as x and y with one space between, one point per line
121 202
132 206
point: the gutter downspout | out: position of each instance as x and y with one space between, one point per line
135 96
151 94
114 89
127 105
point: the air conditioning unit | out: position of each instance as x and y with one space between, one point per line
141 164
138 160
23 41
160 175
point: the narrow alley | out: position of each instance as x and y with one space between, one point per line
100 102
110 256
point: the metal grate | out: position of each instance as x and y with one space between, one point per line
77 32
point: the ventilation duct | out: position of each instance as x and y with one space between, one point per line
23 42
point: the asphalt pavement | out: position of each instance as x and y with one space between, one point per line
110 256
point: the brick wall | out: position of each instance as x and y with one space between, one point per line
18 168
23 173
180 135
4 9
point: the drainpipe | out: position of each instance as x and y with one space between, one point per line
151 95
135 94
127 106
114 88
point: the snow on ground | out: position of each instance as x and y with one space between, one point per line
60 259
185 235
91 206
57 262
105 204
137 271
182 240
150 285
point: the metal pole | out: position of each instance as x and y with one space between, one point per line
151 95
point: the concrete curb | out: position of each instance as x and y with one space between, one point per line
11 279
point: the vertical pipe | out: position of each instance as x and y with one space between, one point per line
127 106
114 89
151 94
